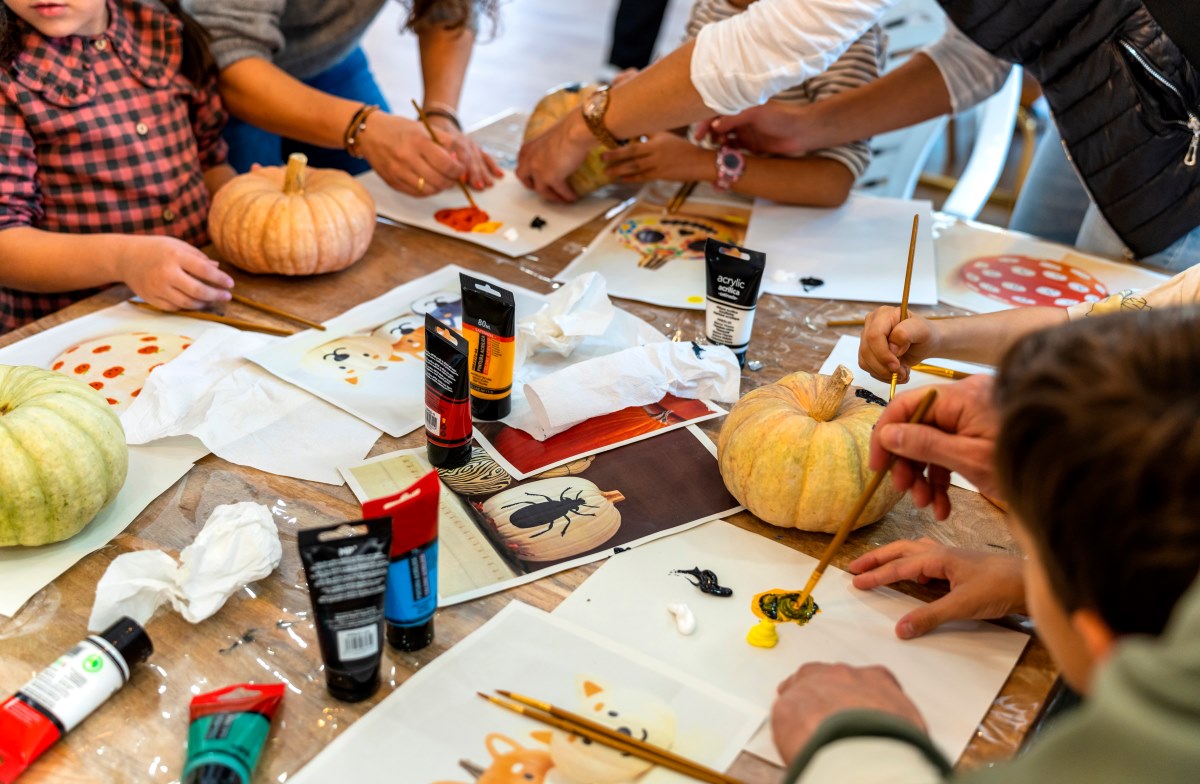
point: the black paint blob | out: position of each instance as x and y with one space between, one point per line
811 283
538 222
870 397
706 580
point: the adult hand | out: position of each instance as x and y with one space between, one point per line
170 274
960 436
546 161
890 346
982 585
663 156
817 691
401 152
482 169
775 128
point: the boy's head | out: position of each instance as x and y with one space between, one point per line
1099 458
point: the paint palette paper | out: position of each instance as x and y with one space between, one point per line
649 256
858 251
953 674
434 729
496 532
987 269
846 353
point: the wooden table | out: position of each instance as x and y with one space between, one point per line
265 632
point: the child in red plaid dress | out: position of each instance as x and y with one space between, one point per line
110 151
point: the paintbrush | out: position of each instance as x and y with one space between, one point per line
938 370
274 311
681 195
575 724
201 315
433 135
862 322
843 530
912 249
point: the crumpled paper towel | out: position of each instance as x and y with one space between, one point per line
633 377
244 414
577 310
238 545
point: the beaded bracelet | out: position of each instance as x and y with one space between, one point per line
357 126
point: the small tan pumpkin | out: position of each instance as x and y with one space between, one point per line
552 519
292 221
795 453
556 104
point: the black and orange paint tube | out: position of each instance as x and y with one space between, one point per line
489 323
448 427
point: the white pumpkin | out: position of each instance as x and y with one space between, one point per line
62 456
552 519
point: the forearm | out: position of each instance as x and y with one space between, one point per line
263 95
445 55
216 177
987 337
659 97
805 182
45 261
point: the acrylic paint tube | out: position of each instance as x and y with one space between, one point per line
346 566
227 732
489 324
448 427
413 568
65 693
734 277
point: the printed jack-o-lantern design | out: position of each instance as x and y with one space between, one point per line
406 333
117 366
660 238
638 714
553 519
445 306
349 358
1026 281
512 763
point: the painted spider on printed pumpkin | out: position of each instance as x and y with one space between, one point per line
659 239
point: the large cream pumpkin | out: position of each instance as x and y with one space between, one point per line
292 221
557 104
795 453
552 519
62 456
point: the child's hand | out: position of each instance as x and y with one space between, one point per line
663 156
982 585
892 346
172 275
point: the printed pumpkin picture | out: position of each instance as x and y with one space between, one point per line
117 366
553 519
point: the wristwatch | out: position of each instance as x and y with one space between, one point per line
731 165
594 109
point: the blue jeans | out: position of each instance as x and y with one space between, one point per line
352 79
1097 237
1053 201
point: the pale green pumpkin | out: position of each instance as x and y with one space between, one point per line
62 456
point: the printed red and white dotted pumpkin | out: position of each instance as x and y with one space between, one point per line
117 366
1024 281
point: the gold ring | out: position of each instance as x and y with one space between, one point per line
420 184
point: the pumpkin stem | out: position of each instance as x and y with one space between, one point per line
831 390
613 496
293 178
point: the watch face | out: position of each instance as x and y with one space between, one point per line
730 161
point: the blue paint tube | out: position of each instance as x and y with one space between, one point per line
734 278
412 568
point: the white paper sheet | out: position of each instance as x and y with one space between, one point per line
858 251
434 719
846 353
1049 274
26 570
952 675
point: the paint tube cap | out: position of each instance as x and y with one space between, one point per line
490 410
353 685
410 638
213 773
130 640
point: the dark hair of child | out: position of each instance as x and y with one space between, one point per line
198 65
1099 458
451 14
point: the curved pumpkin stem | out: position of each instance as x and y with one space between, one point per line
293 178
830 392
613 496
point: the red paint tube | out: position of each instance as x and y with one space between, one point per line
227 733
448 429
65 693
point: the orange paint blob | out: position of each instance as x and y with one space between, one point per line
461 219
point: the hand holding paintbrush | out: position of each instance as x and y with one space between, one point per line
433 135
912 249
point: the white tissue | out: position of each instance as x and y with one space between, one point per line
244 414
238 545
633 377
579 309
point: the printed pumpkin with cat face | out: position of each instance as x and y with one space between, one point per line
349 358
117 366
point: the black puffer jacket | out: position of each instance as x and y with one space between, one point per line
1125 99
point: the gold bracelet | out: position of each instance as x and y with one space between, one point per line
357 126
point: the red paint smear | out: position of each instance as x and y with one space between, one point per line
461 219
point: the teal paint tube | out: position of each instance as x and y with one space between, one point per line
228 731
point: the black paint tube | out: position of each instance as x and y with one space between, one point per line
734 278
490 326
346 566
448 429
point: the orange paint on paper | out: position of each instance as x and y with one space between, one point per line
462 219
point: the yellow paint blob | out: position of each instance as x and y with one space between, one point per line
695 299
490 227
763 635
